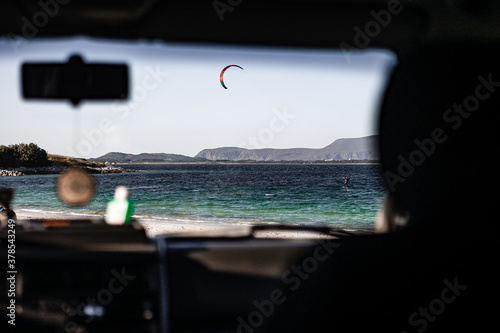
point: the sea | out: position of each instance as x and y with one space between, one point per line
304 194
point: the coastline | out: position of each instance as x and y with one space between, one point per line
51 170
119 167
159 228
247 162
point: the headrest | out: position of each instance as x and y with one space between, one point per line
439 132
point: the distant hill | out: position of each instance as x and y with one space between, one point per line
342 149
364 148
59 160
115 157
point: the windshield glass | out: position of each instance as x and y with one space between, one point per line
285 136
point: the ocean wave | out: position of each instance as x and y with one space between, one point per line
195 220
47 213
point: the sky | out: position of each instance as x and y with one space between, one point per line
283 98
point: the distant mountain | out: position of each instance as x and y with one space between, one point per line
342 149
364 148
142 158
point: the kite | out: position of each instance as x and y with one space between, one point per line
222 74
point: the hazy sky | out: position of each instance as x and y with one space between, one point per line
283 98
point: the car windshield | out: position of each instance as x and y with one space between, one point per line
284 136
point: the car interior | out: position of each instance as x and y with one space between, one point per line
430 266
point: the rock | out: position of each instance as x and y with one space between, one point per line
11 173
23 171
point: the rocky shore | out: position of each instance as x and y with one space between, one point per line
11 173
23 171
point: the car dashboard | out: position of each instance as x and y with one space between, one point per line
82 275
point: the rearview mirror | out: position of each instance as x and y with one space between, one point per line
75 81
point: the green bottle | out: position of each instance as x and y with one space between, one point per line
119 210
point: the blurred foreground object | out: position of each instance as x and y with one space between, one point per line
119 209
75 187
6 214
6 196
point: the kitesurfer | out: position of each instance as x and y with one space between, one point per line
346 181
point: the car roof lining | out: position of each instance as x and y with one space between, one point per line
320 23
277 22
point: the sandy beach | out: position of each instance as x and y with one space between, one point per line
160 228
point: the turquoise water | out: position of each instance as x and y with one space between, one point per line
298 194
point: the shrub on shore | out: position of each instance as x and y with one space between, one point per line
31 156
27 155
